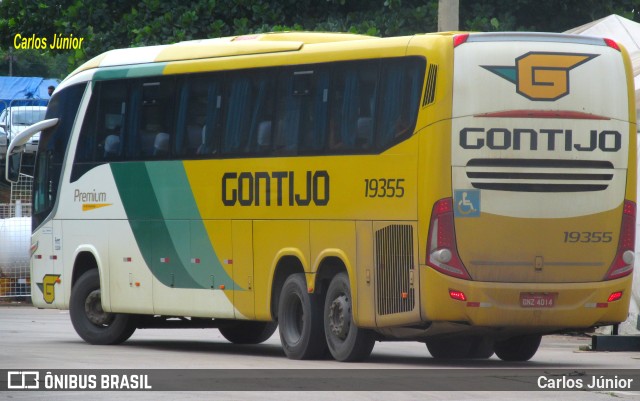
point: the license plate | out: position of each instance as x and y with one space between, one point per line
538 300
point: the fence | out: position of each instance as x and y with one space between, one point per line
15 216
15 234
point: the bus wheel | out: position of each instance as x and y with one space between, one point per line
449 348
460 348
482 348
94 325
347 342
247 332
521 348
300 320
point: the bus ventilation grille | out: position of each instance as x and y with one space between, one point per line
394 262
540 175
430 86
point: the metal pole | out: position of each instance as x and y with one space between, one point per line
448 19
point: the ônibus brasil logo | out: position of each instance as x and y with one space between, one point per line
541 75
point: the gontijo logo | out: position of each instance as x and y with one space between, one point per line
541 75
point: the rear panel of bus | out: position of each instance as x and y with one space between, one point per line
543 185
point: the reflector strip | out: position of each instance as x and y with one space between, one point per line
164 260
479 304
195 260
597 305
126 259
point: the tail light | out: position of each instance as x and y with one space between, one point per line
460 39
612 44
623 262
442 252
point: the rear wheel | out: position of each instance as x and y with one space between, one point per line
346 341
521 348
460 348
247 332
300 320
90 321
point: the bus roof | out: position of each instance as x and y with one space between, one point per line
218 47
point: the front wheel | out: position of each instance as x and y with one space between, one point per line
248 332
93 324
518 349
346 341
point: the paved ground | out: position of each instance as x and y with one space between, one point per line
45 340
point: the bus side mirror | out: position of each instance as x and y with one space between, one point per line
14 154
14 162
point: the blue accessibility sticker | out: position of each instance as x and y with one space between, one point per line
466 203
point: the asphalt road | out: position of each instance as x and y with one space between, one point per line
32 339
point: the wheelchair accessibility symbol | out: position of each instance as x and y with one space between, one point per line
466 203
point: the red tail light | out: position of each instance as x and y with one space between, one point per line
457 295
615 296
623 262
442 251
612 44
460 39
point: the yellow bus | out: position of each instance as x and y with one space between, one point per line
469 191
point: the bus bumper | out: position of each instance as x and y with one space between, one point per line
511 305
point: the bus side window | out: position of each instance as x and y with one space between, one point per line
102 128
89 145
354 106
155 132
303 110
249 117
200 121
401 84
292 93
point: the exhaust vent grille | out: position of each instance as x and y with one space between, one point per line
394 269
430 86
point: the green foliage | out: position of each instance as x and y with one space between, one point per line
106 25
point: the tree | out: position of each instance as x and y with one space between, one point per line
106 25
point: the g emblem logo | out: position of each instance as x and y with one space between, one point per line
48 287
542 75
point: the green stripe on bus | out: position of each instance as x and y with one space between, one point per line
130 71
164 223
176 204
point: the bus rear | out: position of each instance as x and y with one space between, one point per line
539 233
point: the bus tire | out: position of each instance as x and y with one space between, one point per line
346 341
449 348
482 348
460 348
300 320
248 332
92 324
518 349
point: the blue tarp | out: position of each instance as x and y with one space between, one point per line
29 91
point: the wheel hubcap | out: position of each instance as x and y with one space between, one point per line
94 312
339 317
